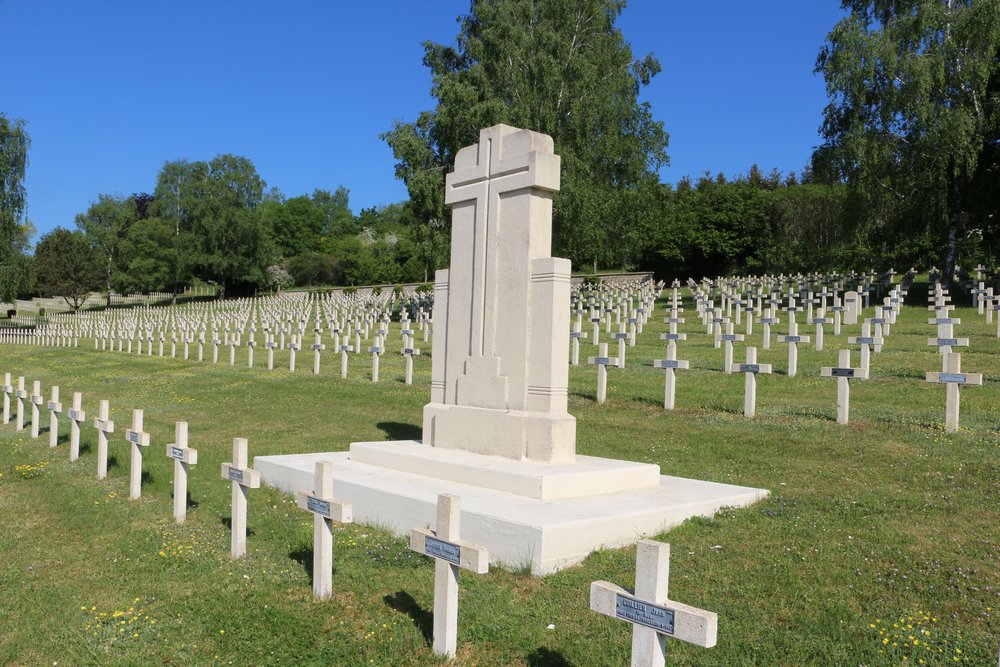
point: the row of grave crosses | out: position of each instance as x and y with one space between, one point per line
653 615
377 323
843 371
200 324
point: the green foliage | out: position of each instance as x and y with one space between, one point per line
16 275
14 143
68 266
106 224
318 268
148 257
424 288
914 117
560 67
221 235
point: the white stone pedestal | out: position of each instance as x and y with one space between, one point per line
548 516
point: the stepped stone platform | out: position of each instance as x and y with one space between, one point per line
546 516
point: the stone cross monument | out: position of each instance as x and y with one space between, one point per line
502 309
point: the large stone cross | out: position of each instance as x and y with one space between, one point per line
499 361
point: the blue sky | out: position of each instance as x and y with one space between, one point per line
111 89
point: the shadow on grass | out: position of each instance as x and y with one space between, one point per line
146 477
422 619
400 431
85 448
546 657
304 557
227 521
191 504
112 462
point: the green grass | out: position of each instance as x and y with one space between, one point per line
885 519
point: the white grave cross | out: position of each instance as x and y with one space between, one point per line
602 362
450 553
104 426
76 417
36 400
183 456
8 391
55 407
243 477
327 510
844 374
653 615
139 439
750 369
953 378
670 365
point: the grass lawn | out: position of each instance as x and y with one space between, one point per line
879 544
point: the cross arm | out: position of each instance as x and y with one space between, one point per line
331 508
182 454
459 552
243 476
689 624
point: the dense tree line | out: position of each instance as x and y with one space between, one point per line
908 171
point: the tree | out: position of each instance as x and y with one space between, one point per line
295 225
560 67
914 113
214 208
148 257
14 143
68 266
336 211
106 224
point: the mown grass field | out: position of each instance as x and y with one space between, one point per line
879 545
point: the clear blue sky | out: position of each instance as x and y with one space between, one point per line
112 89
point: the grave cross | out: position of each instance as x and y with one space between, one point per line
670 365
344 349
317 347
55 407
139 439
104 426
653 615
819 322
750 369
767 321
327 510
270 345
953 378
376 350
183 456
450 553
409 352
243 477
672 338
8 391
621 337
602 362
576 335
728 339
844 374
36 401
76 417
866 341
793 339
293 346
